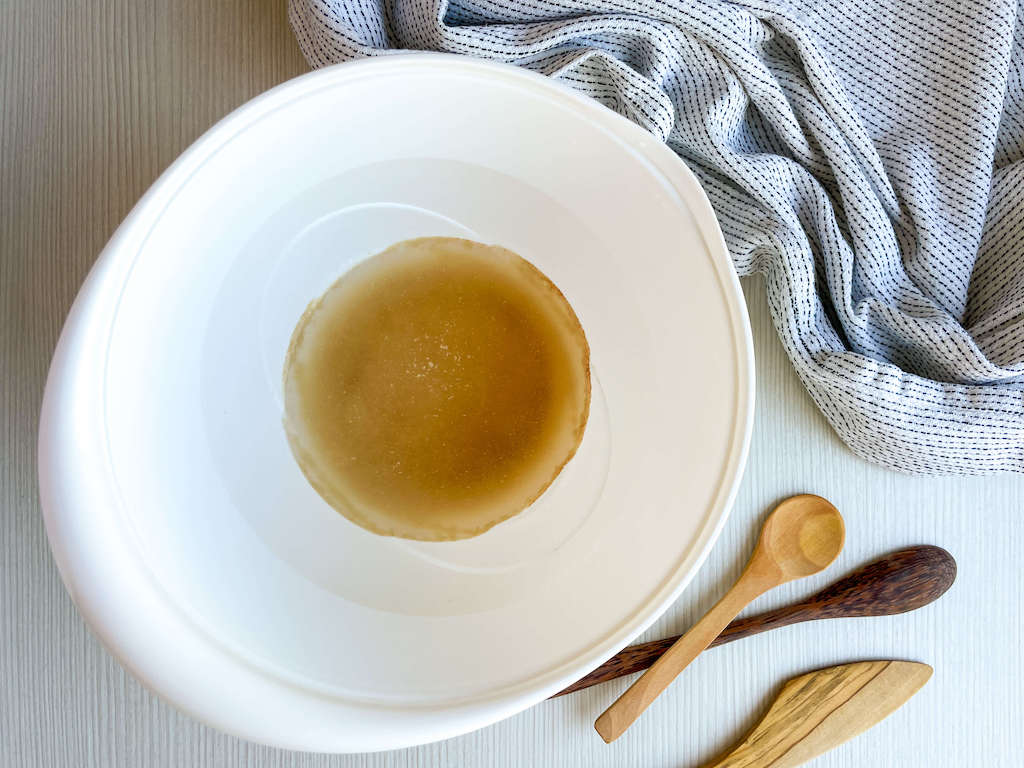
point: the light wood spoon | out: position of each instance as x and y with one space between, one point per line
800 537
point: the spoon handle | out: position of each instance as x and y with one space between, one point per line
637 658
900 581
629 706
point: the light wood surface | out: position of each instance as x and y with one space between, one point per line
819 711
96 98
899 582
801 537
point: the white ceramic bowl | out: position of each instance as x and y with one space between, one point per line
184 530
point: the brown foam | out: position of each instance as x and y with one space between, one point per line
436 389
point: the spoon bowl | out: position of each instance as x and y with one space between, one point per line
802 536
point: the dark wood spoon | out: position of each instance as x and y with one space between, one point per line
899 582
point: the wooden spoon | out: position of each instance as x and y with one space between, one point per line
899 582
800 537
819 711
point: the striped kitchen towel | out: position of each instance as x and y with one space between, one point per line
865 156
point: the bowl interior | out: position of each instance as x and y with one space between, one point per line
226 522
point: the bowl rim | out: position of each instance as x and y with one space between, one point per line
141 625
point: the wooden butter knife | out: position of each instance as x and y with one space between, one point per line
819 711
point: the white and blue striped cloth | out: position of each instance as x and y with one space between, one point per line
865 156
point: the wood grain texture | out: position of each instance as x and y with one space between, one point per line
96 98
819 711
801 537
899 582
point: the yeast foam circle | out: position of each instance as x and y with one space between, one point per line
436 389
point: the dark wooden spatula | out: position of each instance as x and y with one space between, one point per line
899 582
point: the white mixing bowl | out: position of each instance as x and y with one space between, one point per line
189 538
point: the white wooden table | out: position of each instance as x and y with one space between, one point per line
96 98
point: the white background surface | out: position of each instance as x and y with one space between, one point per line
94 102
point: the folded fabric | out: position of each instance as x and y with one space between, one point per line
865 156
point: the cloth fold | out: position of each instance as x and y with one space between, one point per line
866 157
